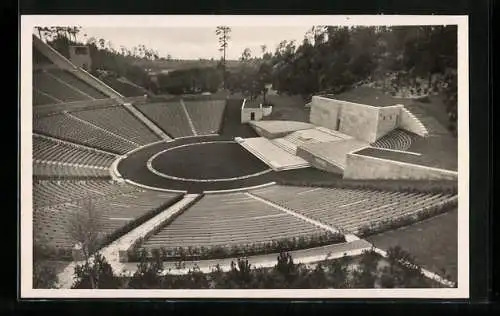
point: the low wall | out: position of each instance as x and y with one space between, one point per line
267 110
354 119
359 120
246 114
388 119
324 112
318 162
267 134
365 167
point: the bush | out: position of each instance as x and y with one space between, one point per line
232 251
405 220
44 275
95 274
411 186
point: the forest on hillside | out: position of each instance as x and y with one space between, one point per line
405 61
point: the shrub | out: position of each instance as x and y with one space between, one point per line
232 251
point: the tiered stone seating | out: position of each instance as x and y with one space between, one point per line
53 223
206 115
348 209
168 116
48 192
51 150
39 58
49 85
66 127
123 88
69 78
431 125
397 139
119 121
39 98
229 219
57 169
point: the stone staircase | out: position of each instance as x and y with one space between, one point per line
272 155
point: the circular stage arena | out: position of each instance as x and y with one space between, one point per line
194 164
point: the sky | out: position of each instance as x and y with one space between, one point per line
197 42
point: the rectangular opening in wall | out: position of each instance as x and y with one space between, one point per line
252 116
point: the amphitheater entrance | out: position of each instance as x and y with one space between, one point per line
194 164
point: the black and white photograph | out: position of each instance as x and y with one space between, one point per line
244 156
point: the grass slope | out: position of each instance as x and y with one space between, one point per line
433 242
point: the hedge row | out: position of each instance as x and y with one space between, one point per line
241 250
58 177
405 220
411 186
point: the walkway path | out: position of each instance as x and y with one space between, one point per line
190 121
305 256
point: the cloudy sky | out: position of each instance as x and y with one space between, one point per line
197 42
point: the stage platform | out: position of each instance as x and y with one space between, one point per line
301 145
274 156
275 129
330 156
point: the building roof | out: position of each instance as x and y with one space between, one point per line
251 104
366 95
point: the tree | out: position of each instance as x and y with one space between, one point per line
365 275
339 273
84 228
263 49
44 274
223 33
286 267
402 271
147 275
95 274
246 54
240 275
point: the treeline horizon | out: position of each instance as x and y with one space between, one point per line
330 59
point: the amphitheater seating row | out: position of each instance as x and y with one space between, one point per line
54 224
56 89
52 150
55 169
433 126
397 139
77 83
119 121
229 219
65 127
169 116
206 115
41 98
39 58
348 209
123 88
49 192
